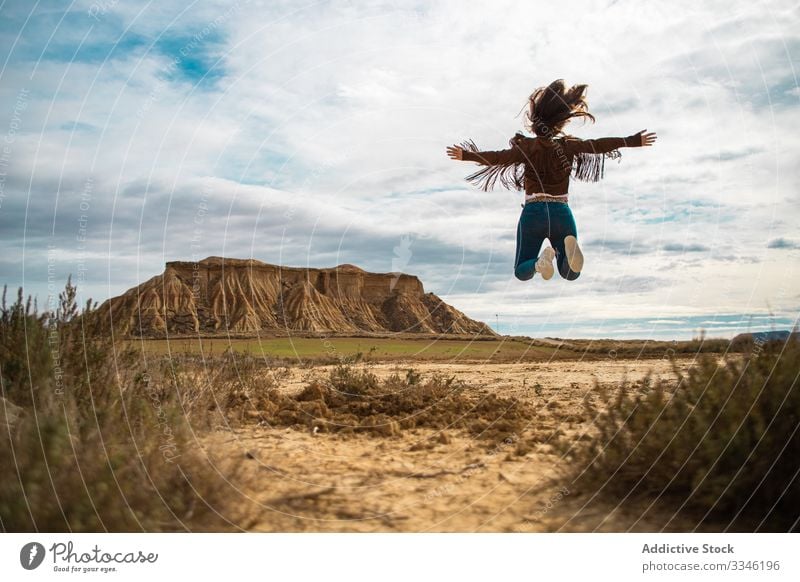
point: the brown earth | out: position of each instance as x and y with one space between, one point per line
234 295
440 479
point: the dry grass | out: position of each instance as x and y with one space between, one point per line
722 448
93 441
353 401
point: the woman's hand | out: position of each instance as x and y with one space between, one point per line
648 139
455 152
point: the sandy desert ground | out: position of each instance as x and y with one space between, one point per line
429 480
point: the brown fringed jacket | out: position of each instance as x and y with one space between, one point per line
540 165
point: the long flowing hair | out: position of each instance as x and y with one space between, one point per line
551 107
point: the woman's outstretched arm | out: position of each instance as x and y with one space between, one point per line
501 165
513 155
604 145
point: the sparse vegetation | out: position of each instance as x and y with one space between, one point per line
90 440
355 401
721 448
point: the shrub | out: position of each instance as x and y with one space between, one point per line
96 442
721 448
355 401
25 359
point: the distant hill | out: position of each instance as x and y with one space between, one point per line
745 340
218 295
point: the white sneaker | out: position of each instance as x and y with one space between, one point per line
574 254
544 266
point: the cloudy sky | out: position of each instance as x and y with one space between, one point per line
314 134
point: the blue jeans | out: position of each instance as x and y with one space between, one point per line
538 221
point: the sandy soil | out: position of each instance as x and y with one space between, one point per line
426 480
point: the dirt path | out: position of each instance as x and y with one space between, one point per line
517 379
426 480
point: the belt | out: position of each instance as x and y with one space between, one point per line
542 197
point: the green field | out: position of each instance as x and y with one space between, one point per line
335 348
344 348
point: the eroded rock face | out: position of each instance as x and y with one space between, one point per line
219 295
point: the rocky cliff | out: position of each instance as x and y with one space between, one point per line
219 295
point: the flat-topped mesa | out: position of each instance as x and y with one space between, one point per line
245 295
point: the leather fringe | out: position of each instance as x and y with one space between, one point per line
510 176
588 167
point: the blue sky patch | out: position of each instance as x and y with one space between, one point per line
193 58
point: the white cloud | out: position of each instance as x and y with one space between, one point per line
323 140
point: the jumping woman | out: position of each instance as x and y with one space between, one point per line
542 166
